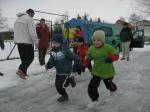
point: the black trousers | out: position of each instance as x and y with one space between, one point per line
42 53
26 52
59 82
94 84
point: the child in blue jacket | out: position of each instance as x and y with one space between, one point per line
61 58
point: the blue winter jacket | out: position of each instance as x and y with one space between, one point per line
61 58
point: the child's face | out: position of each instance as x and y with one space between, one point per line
97 42
56 44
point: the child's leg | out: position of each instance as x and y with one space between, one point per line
59 82
110 85
70 80
93 88
90 67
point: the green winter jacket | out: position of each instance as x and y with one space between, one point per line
98 55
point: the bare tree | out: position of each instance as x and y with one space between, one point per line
135 18
144 6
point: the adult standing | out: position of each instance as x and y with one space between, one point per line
2 47
126 36
43 34
25 36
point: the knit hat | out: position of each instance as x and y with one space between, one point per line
57 38
99 34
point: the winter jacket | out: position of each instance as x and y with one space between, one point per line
61 58
126 34
79 34
24 31
99 55
81 51
43 35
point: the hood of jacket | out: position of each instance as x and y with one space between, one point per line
21 14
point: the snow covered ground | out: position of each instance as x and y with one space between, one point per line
38 93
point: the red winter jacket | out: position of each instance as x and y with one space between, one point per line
43 35
82 50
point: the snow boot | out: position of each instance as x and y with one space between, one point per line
63 98
1 74
72 81
21 74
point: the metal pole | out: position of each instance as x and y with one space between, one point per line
11 52
50 13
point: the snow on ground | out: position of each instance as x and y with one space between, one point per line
38 93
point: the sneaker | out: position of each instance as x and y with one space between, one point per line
63 98
92 104
72 81
21 74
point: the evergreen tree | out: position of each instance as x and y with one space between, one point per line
79 17
99 20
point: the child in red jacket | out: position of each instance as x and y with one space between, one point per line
82 49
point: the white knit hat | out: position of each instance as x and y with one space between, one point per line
99 34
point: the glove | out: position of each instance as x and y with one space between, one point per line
77 68
108 60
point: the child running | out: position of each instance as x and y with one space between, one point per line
61 58
103 56
82 49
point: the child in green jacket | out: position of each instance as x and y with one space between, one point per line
103 56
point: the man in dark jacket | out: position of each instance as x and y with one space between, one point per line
126 37
2 47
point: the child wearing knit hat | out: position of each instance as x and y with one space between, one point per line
103 56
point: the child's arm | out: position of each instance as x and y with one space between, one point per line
50 63
114 55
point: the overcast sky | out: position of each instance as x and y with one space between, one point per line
108 10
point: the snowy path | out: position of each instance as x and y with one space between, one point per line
38 93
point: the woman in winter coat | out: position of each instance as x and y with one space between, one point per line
103 56
43 34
